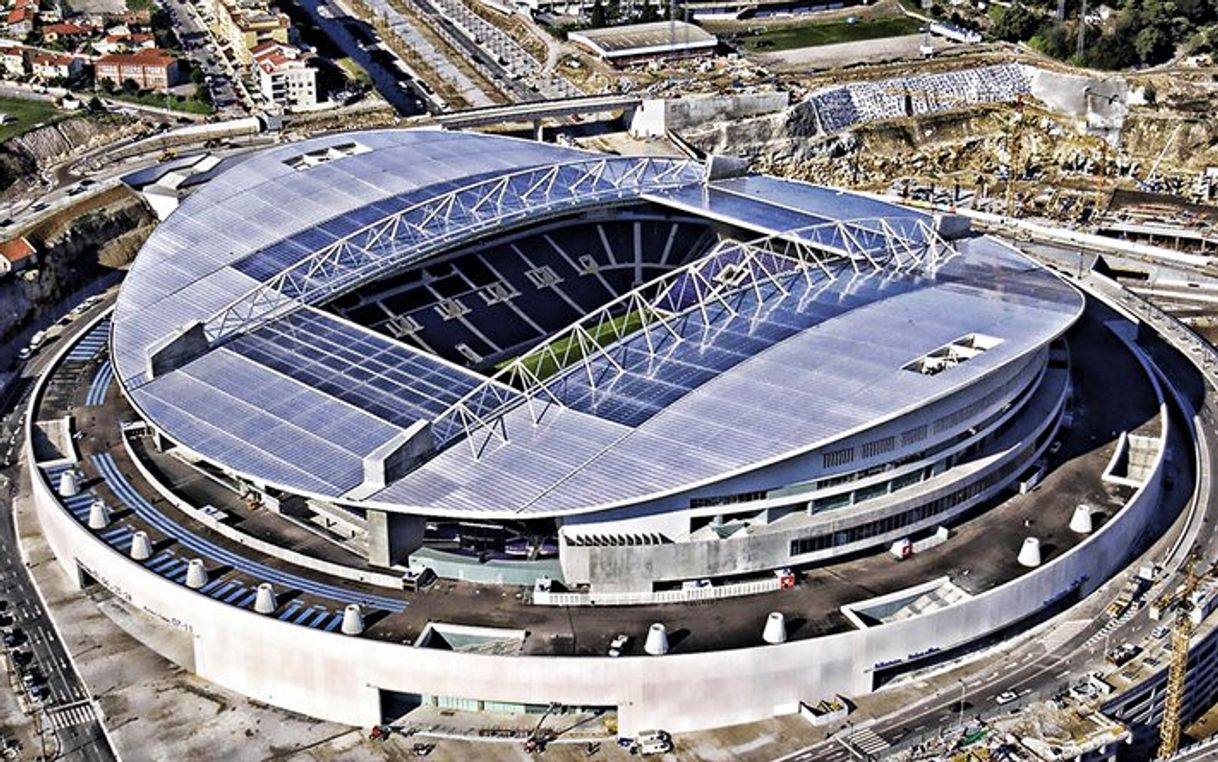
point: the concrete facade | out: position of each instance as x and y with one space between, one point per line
341 678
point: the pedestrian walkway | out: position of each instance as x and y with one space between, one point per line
73 714
868 741
1111 626
1064 633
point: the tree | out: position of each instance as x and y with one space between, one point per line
1016 24
598 15
95 105
1053 40
130 86
107 85
1153 45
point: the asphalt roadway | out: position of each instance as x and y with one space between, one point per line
68 724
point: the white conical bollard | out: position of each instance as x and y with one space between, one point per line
196 574
353 620
657 640
1080 522
775 629
141 547
69 485
1029 552
99 517
265 603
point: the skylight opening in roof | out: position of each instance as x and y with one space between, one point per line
952 354
310 159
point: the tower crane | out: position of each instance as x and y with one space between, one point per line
1189 613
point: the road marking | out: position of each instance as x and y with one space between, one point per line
868 741
71 715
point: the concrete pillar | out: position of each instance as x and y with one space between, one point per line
393 537
141 547
69 485
1080 522
1029 552
99 517
775 629
265 603
539 133
196 574
353 620
657 640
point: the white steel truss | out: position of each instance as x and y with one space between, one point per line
823 252
440 222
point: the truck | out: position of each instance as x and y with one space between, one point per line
1122 603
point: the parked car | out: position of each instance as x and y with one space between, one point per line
1006 697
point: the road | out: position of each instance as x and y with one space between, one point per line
69 726
348 33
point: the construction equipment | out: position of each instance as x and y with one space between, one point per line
253 500
1013 153
1152 177
1189 612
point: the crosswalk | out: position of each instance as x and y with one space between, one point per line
1111 626
73 714
868 741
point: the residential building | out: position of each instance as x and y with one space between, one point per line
13 61
125 43
15 254
244 24
48 66
150 68
284 76
20 22
65 30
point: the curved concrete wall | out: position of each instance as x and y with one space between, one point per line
335 677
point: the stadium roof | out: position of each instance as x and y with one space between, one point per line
295 397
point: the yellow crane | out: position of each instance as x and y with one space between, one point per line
1188 615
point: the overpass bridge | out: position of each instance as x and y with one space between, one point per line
535 111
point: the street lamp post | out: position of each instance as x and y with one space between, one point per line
960 708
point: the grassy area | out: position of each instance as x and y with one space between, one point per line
543 365
354 71
27 114
790 37
158 100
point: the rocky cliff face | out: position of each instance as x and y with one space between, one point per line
94 245
24 156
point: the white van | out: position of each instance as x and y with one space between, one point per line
650 742
28 350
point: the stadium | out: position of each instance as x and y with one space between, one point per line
413 418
